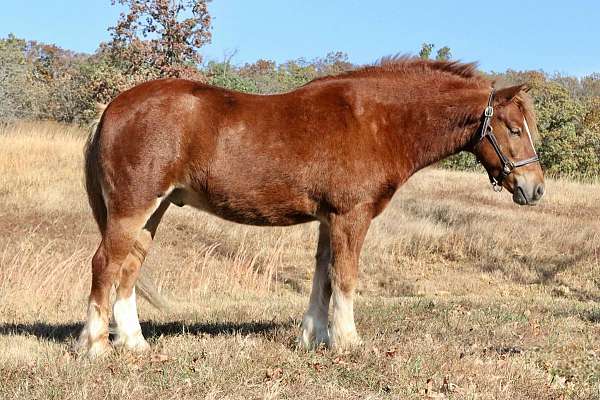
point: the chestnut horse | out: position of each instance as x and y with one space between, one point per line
334 151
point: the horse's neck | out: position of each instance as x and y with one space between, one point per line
435 127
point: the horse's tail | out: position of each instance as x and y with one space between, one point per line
93 173
148 290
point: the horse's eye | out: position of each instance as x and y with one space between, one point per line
515 131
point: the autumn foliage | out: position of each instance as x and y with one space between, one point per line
158 38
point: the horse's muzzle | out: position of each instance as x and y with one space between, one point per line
528 194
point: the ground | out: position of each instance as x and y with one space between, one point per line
462 294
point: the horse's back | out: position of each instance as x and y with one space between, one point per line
266 160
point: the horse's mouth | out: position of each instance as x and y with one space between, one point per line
522 200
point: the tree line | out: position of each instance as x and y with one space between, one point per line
163 38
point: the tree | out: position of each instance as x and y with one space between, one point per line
160 37
443 54
335 62
426 49
15 79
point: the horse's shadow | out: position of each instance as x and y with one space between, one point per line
150 329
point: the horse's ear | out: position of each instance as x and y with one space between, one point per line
507 94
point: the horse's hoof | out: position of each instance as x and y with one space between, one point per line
136 344
311 339
97 350
307 342
346 342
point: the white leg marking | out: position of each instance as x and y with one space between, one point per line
314 324
128 329
343 329
93 333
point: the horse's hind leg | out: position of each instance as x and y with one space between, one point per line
94 336
128 329
117 241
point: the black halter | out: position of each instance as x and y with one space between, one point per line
508 166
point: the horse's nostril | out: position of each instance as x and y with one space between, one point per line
539 191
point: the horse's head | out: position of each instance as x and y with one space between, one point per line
505 145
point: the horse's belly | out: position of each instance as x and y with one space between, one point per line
249 209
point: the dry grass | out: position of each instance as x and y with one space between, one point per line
462 294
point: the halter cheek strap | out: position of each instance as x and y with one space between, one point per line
508 166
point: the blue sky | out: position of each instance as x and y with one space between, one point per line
556 36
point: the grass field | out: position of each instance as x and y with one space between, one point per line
462 294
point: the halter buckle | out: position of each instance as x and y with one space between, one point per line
496 186
489 111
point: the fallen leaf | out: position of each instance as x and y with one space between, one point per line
159 358
319 367
339 361
432 394
273 374
447 386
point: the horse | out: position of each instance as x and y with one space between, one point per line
334 151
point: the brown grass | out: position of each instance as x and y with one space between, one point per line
462 294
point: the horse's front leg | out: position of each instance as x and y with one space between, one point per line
314 324
347 235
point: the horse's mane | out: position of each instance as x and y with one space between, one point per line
407 65
411 67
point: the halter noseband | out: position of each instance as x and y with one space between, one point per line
508 166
